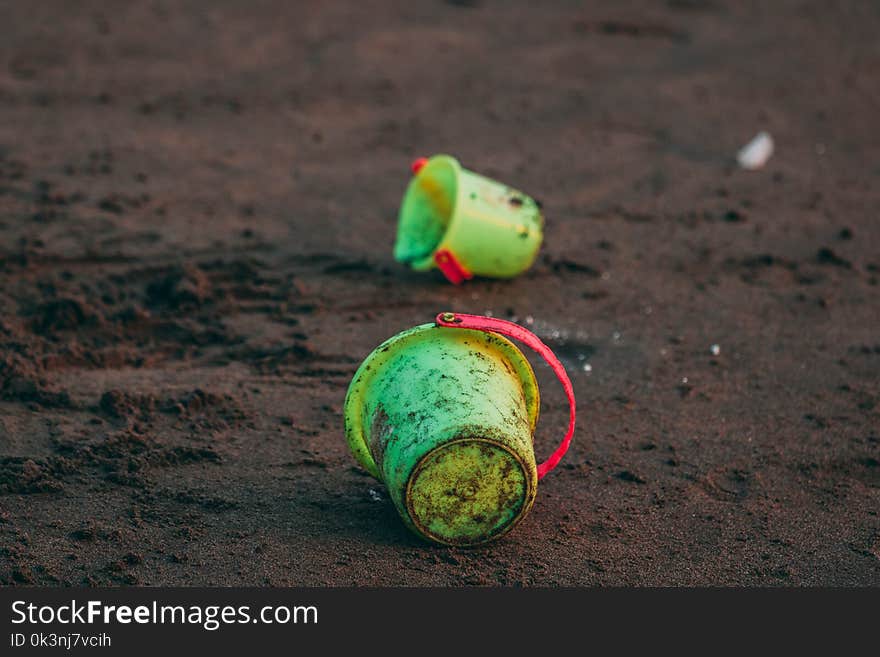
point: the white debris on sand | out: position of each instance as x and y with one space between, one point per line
715 349
755 154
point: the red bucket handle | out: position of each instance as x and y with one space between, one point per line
455 272
492 325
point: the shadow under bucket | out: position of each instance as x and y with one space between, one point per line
445 418
465 224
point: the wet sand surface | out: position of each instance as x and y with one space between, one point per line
197 207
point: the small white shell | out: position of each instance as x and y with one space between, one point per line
755 154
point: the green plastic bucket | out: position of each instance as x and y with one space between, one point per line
465 224
444 417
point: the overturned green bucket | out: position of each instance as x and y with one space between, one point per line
444 415
465 224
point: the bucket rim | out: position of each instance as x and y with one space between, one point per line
353 405
427 262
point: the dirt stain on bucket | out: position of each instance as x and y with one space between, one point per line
380 435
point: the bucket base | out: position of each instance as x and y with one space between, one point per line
469 491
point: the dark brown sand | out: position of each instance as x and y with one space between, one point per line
197 207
